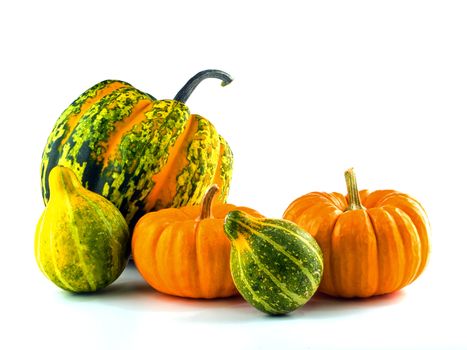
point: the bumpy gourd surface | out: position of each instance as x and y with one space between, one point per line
141 153
82 241
275 265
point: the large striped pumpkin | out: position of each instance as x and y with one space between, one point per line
141 153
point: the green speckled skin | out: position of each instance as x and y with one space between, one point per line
117 139
276 265
82 242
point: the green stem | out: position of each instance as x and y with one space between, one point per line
206 206
352 190
188 88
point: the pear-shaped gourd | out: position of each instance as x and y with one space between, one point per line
276 265
82 241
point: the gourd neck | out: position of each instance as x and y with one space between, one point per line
63 180
206 206
188 88
352 191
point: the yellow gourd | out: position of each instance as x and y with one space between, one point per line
82 241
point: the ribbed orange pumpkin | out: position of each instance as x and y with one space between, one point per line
373 242
184 251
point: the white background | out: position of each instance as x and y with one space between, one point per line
319 87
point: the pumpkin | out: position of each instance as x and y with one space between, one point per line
373 242
184 251
276 265
82 241
141 153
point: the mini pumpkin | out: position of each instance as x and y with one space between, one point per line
373 242
184 251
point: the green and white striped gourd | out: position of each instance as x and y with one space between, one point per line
276 265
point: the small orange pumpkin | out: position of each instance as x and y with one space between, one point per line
373 242
184 251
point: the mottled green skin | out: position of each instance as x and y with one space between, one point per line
276 265
82 242
126 177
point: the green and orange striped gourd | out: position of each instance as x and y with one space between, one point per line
141 153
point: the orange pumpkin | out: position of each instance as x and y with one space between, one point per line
373 242
184 251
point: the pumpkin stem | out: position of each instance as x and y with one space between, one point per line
188 88
352 190
206 206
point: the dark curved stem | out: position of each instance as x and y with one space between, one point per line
188 88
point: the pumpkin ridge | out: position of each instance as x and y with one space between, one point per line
329 252
161 280
374 287
248 285
199 262
397 232
380 256
96 92
353 273
79 109
122 127
168 124
339 201
83 146
147 245
278 248
176 240
223 173
377 249
419 218
190 179
296 211
82 139
161 177
401 223
65 125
